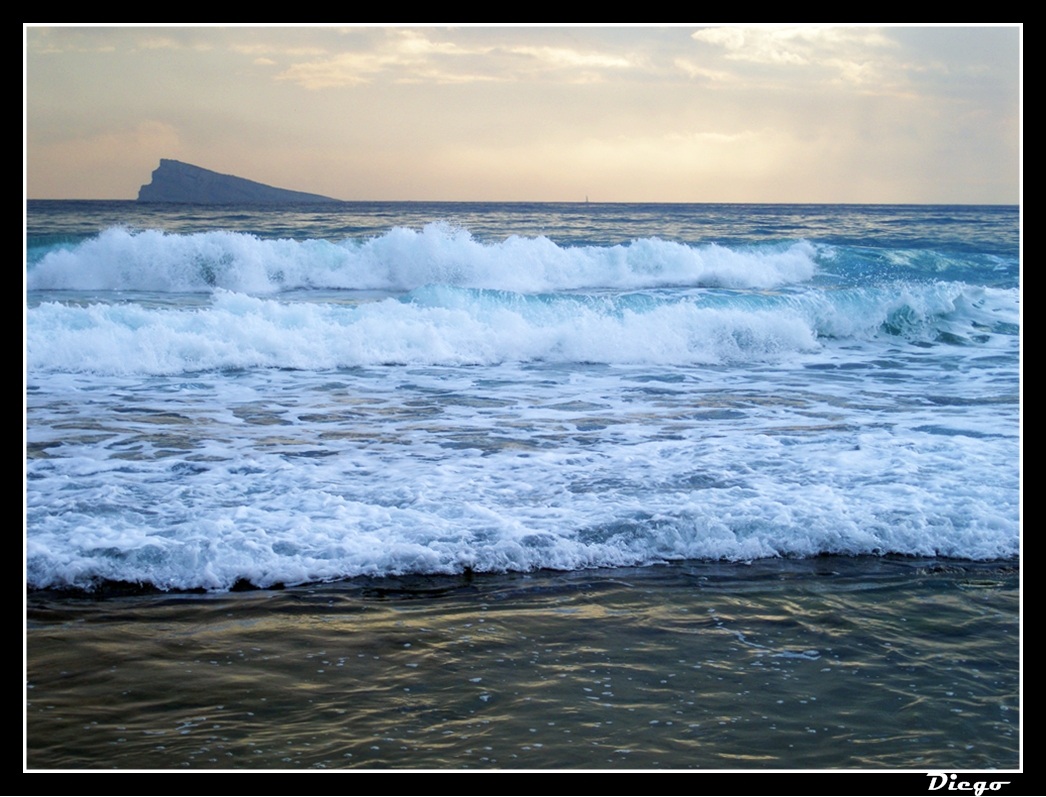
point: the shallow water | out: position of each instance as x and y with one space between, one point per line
825 663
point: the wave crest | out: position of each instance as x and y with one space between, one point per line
403 259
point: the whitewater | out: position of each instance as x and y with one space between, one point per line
219 398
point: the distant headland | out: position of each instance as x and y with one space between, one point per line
174 181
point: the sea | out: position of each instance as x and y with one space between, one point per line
522 486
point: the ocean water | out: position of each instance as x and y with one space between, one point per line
229 398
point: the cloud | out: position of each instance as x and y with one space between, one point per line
51 41
696 71
730 113
411 56
158 43
345 69
558 57
854 55
263 49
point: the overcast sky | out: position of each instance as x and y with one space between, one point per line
680 114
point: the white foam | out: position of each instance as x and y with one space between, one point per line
452 326
404 259
250 506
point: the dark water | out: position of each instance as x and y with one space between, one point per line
958 228
828 663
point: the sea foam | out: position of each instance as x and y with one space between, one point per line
442 325
401 260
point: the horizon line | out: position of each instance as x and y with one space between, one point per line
581 202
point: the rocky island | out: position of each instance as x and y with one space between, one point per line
174 181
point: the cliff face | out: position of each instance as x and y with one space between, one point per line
175 181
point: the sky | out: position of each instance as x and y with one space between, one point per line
614 114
